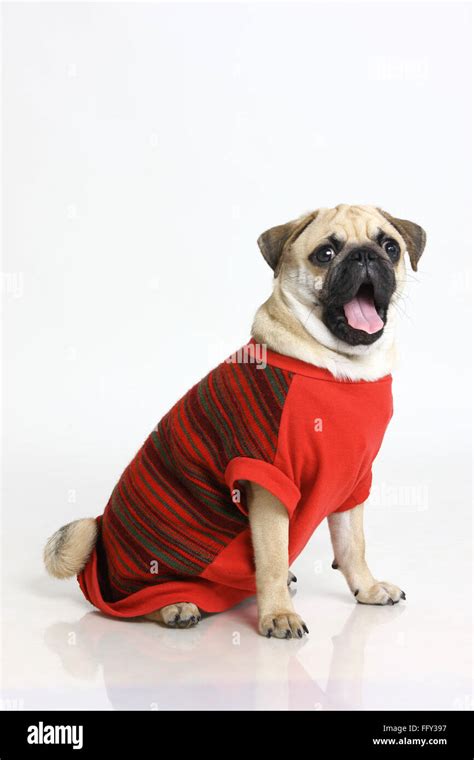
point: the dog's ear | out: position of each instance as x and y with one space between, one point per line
273 242
413 235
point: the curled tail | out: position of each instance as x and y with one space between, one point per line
67 551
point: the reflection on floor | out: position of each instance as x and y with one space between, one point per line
149 667
58 653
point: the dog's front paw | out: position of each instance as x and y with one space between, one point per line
380 593
282 625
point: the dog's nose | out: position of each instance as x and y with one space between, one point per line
363 255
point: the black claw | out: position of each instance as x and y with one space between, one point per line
334 565
198 618
193 618
288 633
356 592
269 633
295 579
300 633
390 601
176 618
403 595
305 628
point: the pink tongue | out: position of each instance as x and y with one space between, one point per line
361 314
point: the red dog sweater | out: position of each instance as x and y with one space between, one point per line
176 526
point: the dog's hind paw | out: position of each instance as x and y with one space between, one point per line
291 578
179 615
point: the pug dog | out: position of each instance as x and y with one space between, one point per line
233 481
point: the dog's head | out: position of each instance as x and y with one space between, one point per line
344 266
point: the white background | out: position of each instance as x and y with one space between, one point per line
145 148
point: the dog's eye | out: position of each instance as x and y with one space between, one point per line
392 248
322 255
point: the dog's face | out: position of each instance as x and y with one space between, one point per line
345 265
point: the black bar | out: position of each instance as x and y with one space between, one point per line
378 734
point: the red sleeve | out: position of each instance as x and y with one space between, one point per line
360 493
266 475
